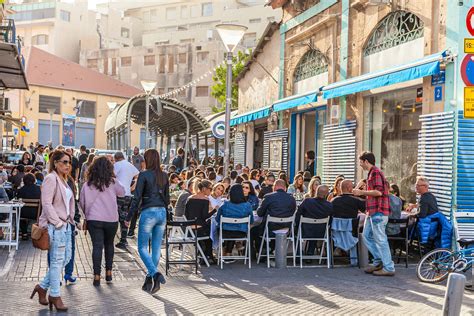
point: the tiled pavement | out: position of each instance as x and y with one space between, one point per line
234 290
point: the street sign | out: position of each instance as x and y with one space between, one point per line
470 21
469 45
438 79
438 93
467 70
468 102
218 129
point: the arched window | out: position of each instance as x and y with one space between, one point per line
396 28
311 64
40 39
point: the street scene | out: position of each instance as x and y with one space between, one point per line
237 157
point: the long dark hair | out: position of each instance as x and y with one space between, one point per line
252 189
236 194
153 163
100 173
55 156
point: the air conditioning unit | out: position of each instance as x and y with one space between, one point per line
5 105
380 2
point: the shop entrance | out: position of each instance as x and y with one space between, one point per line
258 148
306 135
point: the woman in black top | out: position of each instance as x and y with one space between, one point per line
29 191
198 207
26 159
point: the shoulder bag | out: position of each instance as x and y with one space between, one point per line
39 235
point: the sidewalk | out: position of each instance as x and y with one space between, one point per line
233 290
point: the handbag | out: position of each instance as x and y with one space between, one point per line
39 235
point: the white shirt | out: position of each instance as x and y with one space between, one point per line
125 172
255 184
69 196
40 158
215 202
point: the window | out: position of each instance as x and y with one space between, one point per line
171 13
162 58
65 15
106 66
207 9
164 42
171 89
47 102
114 66
311 64
40 39
149 60
195 11
125 32
170 63
184 12
202 57
255 20
202 91
182 93
92 63
85 108
126 61
187 40
182 58
161 91
249 40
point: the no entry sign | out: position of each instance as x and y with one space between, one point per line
470 21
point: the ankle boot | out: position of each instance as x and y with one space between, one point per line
58 304
41 294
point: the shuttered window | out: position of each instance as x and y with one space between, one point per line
46 102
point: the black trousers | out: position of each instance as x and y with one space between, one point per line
229 244
27 213
133 223
102 236
206 244
123 206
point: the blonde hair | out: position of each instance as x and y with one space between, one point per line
311 190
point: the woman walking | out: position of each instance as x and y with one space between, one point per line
57 200
99 201
152 191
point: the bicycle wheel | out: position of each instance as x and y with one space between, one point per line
435 266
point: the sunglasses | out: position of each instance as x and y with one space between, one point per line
248 188
65 162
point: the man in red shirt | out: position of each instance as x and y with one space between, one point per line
378 209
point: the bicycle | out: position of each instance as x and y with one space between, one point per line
437 264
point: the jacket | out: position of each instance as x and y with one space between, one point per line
53 202
229 209
148 193
342 233
253 200
428 229
314 208
277 204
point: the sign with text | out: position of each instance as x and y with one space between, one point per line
438 93
468 102
469 45
69 130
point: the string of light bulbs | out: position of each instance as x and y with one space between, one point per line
192 83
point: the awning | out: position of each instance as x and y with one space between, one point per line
214 118
250 116
420 68
12 73
295 100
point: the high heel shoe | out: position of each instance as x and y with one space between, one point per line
108 276
69 278
41 294
96 280
58 304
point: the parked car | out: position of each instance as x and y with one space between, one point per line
104 152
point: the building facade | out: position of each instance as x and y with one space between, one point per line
179 45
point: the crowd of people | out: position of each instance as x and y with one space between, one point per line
106 195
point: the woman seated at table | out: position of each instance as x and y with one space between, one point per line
216 198
312 188
250 194
236 207
336 189
197 207
30 190
297 187
26 159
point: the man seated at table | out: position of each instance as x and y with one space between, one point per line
277 204
347 205
317 208
267 186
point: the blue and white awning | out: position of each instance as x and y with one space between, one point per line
250 116
295 100
420 68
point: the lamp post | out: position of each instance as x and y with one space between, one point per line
148 86
230 34
51 112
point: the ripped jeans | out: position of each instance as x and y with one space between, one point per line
59 255
376 241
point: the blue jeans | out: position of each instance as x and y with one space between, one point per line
376 241
69 269
151 227
59 255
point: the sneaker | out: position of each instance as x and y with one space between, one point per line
383 272
131 234
121 245
147 285
157 280
371 269
227 261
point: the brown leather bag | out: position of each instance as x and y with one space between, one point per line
39 235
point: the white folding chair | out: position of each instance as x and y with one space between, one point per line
266 237
246 256
325 240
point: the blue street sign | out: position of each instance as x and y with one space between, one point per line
438 78
438 93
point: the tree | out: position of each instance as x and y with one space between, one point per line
218 90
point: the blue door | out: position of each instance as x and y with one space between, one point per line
85 135
44 132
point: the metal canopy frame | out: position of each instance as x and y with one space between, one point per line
177 119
